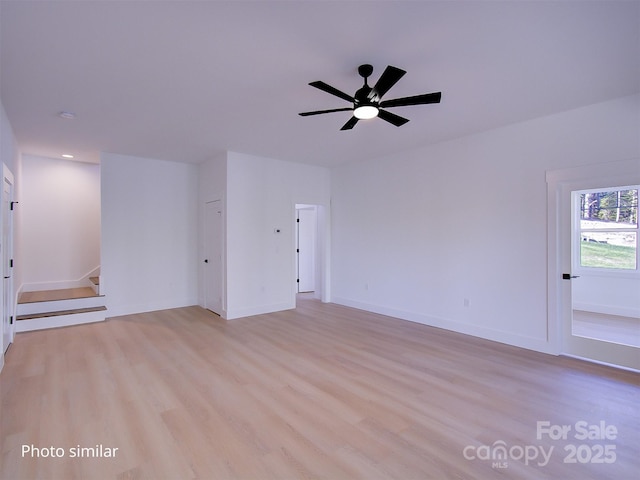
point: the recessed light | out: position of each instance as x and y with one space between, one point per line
67 155
67 115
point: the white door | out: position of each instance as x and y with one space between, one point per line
598 291
213 265
306 249
7 260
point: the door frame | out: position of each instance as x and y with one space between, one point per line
322 250
313 232
7 178
560 184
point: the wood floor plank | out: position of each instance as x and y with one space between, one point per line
321 391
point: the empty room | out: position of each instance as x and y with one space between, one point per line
319 239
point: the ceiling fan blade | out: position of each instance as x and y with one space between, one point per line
350 124
415 100
333 91
388 79
392 118
318 112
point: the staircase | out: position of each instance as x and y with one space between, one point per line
60 308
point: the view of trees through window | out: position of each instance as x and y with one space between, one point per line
609 229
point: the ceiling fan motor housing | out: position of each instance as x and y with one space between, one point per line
362 97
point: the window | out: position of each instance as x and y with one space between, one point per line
608 228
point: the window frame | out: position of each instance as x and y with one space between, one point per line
577 230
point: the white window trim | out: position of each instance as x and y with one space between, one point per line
576 231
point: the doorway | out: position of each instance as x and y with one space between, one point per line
604 243
311 242
213 264
306 232
589 302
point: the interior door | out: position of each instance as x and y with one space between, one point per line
7 261
306 249
577 341
213 266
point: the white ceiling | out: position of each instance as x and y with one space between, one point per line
185 80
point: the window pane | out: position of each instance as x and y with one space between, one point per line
609 210
608 250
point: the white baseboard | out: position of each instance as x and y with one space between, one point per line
121 310
530 343
607 309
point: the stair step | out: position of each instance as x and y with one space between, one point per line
52 295
61 312
95 280
60 318
60 305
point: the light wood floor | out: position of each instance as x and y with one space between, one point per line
610 328
322 391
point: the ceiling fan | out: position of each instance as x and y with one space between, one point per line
367 101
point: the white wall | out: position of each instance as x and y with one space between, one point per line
261 197
60 227
149 234
8 144
212 178
416 234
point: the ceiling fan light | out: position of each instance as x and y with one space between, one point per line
365 112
